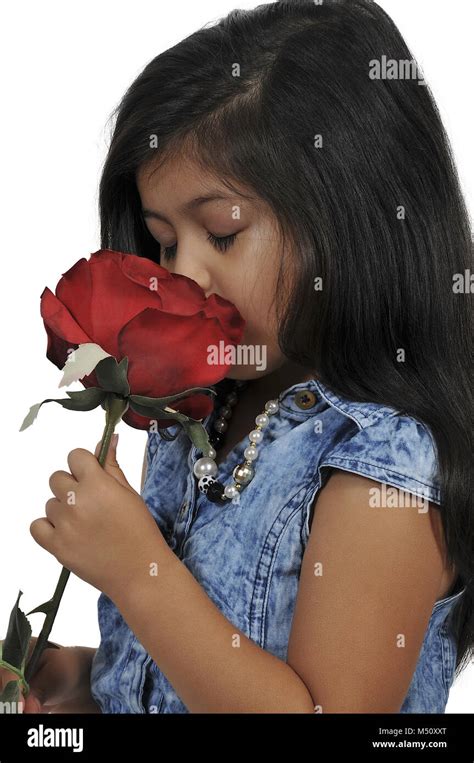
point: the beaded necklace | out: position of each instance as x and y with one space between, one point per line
205 468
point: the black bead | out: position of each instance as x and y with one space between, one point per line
225 386
216 439
215 491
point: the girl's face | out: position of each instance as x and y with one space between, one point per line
187 213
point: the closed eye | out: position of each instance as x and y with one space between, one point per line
219 242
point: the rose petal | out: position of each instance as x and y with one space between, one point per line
62 330
231 321
168 353
102 298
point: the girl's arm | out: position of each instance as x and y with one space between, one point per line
211 664
357 631
369 579
108 537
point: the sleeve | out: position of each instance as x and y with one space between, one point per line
397 450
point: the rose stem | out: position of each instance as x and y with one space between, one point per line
115 407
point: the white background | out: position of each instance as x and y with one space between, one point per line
64 68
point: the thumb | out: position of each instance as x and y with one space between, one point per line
111 465
34 702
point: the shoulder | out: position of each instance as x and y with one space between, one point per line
384 444
370 569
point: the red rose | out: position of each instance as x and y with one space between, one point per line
161 321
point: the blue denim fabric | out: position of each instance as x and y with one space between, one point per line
247 555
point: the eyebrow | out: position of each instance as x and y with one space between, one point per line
193 204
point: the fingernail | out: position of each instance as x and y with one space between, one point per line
114 440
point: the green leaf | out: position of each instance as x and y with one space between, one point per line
15 644
9 695
83 400
156 412
87 399
112 376
82 362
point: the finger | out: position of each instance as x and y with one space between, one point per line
33 704
111 454
61 482
39 698
42 532
53 679
111 465
81 463
54 511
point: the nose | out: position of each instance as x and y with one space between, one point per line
191 268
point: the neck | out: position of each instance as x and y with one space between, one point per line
268 387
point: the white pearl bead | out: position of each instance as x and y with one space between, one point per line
231 491
271 406
256 436
251 453
205 467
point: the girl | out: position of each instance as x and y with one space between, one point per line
270 158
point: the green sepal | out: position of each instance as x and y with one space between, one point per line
152 402
197 434
83 400
193 427
112 376
87 399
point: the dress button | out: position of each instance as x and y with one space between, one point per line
304 398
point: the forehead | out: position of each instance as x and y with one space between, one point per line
176 170
179 178
176 175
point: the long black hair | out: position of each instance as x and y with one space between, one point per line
358 170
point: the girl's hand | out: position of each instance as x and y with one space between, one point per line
97 525
61 676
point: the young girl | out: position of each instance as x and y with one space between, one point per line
269 158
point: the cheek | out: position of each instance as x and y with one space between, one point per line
253 291
260 328
254 304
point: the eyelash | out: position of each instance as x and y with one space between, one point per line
222 243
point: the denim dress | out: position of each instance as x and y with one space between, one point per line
247 554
